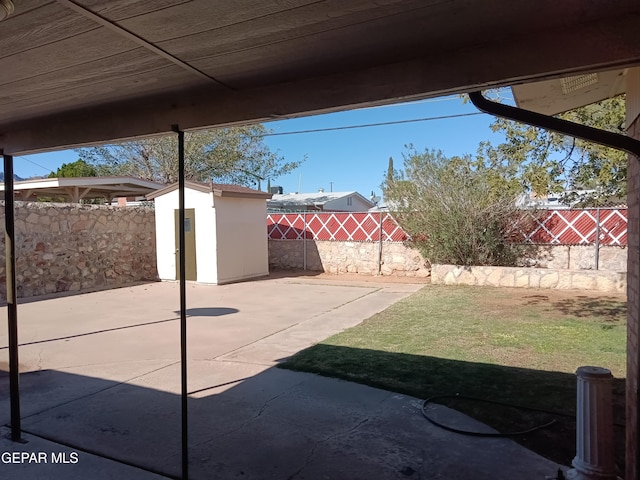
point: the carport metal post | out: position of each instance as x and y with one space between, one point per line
304 242
12 308
597 240
380 248
183 305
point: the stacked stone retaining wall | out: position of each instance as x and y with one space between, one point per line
71 247
362 258
578 257
400 259
554 278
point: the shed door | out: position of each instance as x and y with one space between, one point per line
189 241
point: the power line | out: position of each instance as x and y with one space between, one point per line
331 129
36 164
366 125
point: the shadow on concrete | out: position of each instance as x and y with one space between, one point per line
193 312
209 311
49 296
94 332
544 395
260 428
278 424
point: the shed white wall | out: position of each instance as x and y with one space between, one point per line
206 240
206 259
340 204
242 238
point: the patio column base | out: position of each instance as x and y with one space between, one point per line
594 458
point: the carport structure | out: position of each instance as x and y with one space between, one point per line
88 188
90 71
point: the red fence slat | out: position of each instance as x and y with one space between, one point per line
554 227
345 227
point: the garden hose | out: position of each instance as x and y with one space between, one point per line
480 434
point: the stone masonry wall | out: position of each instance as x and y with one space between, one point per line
71 247
401 260
554 278
398 259
578 257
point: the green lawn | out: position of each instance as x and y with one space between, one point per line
513 345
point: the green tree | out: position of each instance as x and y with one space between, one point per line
79 168
234 155
390 171
549 162
458 210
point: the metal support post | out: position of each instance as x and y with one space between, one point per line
597 240
304 242
380 248
183 306
12 307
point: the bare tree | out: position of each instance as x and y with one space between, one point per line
233 154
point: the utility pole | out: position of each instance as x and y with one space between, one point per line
331 186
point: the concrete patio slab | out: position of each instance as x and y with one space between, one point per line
102 376
60 461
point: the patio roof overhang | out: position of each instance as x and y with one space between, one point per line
76 189
88 71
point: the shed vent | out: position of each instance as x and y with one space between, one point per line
571 84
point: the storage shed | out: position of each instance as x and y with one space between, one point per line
225 232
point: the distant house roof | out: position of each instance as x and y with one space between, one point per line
80 188
316 199
380 207
218 189
565 200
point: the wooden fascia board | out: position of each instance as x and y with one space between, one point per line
229 194
200 187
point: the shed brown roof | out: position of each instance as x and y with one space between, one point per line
231 190
218 189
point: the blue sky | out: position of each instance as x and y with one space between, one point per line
353 159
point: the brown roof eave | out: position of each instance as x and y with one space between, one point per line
233 190
228 194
